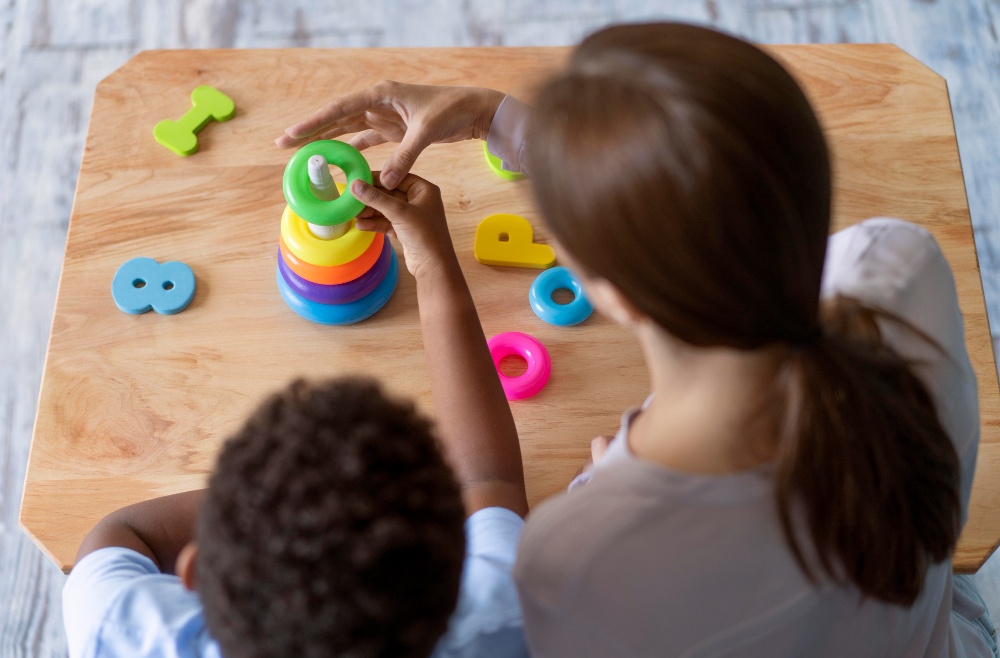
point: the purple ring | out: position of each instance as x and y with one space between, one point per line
340 293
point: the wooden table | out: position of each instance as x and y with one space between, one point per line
133 407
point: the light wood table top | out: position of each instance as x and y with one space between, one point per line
133 407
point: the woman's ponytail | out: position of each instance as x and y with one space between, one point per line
863 460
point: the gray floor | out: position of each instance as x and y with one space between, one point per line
52 54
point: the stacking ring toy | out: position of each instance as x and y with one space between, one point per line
514 343
295 183
551 311
339 293
338 273
340 314
325 253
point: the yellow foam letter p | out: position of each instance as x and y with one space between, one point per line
507 240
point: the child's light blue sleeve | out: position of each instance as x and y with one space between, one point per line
117 603
487 622
92 588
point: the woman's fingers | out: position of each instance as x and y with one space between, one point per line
343 129
414 141
387 127
598 445
334 111
286 142
367 139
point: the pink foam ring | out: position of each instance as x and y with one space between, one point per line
529 348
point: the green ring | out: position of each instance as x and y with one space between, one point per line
295 183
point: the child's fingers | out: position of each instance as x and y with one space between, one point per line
421 192
376 224
368 212
377 182
409 188
381 200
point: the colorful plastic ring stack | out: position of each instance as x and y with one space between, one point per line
331 281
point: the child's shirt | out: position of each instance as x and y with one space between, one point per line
117 603
643 560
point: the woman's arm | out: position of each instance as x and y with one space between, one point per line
157 528
416 116
506 136
474 420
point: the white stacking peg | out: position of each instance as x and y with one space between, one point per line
323 188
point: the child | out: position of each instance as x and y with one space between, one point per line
332 525
797 479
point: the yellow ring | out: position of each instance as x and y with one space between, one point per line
324 253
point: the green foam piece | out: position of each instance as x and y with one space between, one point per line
180 136
496 164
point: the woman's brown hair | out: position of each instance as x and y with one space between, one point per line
687 168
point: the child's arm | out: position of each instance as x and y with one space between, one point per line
474 420
157 528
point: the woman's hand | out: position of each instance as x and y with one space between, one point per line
598 446
414 213
416 116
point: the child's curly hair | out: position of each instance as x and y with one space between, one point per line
332 526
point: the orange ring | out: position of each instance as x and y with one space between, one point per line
338 273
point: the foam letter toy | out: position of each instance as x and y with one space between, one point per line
208 103
507 240
142 284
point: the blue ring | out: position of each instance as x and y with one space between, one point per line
341 314
549 310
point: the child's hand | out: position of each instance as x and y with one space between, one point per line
416 116
414 213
